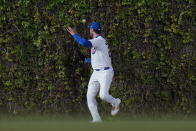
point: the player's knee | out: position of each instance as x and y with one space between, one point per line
89 103
103 96
90 100
88 96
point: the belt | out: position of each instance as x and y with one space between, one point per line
106 68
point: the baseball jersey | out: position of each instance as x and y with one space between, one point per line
100 53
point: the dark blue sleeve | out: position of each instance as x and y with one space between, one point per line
82 41
88 60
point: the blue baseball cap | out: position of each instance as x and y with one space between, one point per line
95 25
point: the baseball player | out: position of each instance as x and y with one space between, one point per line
102 75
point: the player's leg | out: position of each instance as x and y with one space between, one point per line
105 80
93 88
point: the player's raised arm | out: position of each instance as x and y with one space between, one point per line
78 38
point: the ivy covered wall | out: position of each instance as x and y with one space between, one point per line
153 45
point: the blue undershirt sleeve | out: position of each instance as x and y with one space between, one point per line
82 41
88 60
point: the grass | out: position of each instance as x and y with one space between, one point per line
68 123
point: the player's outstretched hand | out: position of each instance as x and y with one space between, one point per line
71 30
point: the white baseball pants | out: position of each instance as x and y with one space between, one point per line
99 81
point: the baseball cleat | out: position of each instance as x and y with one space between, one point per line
115 108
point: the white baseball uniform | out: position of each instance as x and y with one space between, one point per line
102 76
